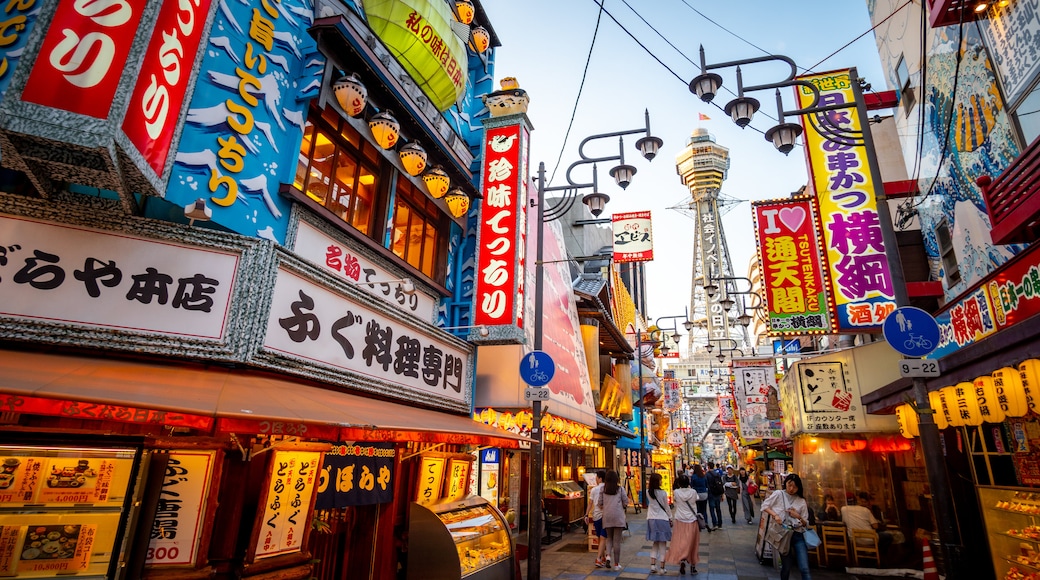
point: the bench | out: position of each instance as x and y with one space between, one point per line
552 524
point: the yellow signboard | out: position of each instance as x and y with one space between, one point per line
458 484
431 480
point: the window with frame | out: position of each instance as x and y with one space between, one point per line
947 253
1027 113
906 92
419 229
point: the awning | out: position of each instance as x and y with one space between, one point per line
607 426
220 400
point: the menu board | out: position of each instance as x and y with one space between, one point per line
50 544
287 503
179 513
40 476
458 483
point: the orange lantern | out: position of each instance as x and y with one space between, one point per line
810 445
546 421
488 416
939 416
908 425
989 402
949 399
1011 395
967 405
1029 372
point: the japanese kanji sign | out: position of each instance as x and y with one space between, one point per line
356 474
1011 30
727 412
861 283
795 287
182 505
80 477
287 502
458 479
431 480
501 240
633 239
829 400
758 400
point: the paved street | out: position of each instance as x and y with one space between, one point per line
726 554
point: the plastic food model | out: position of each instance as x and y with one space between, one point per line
71 476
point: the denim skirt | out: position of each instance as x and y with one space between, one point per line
658 531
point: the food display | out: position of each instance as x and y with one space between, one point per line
1012 519
1016 574
477 530
479 537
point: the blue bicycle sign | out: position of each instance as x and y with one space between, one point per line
537 368
917 341
911 331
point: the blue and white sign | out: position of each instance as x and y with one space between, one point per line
911 331
537 368
489 455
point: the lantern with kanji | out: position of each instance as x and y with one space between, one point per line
967 405
949 399
939 415
908 426
988 401
1011 395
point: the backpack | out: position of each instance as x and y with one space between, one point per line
715 486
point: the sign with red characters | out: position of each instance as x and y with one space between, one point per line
501 242
155 104
83 55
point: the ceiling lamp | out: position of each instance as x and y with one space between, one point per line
413 157
385 129
351 94
437 181
981 7
481 38
458 202
464 11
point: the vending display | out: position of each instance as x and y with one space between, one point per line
1012 517
463 539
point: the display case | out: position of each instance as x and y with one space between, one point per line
565 499
464 539
1012 519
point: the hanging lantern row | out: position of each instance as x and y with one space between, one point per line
1007 392
352 96
556 429
480 38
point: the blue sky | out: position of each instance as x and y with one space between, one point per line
545 46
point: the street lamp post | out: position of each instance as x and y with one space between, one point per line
706 85
648 146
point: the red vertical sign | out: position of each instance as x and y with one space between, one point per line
83 55
151 118
499 246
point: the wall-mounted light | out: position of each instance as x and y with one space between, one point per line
437 181
481 38
351 94
413 157
197 211
458 202
464 10
385 129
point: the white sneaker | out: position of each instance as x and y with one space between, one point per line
653 569
617 568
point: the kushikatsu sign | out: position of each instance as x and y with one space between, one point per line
861 283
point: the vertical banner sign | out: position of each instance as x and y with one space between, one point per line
489 474
458 482
727 412
431 479
182 505
162 81
287 505
502 215
633 239
758 400
796 294
358 474
83 55
861 283
18 19
672 396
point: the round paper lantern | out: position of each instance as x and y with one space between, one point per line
546 421
967 405
1029 372
385 129
350 94
413 157
458 202
437 181
908 426
465 10
1010 393
949 400
481 38
989 401
939 416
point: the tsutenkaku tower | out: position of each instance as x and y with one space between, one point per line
703 165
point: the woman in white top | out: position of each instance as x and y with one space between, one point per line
658 518
788 507
686 535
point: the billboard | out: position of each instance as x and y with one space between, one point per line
633 237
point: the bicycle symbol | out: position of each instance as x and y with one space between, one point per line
918 341
539 376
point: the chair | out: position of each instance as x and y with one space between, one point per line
835 544
552 523
817 551
865 546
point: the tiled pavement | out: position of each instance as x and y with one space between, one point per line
726 554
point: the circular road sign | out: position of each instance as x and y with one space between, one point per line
537 368
911 331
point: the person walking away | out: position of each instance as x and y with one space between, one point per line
612 502
716 489
747 502
731 482
658 522
686 535
699 483
594 516
788 507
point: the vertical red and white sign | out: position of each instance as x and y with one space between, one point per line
83 55
155 105
633 237
500 242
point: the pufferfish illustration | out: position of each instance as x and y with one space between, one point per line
502 143
509 100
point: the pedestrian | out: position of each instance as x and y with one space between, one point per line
686 535
699 483
612 502
594 516
658 522
745 494
788 507
732 484
716 490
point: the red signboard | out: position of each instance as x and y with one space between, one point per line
500 245
159 93
101 412
83 55
792 271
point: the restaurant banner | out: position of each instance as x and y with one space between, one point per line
180 513
758 399
356 474
64 477
860 280
501 239
458 478
633 237
292 481
672 394
789 251
727 411
431 479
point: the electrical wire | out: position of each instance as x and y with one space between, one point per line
851 42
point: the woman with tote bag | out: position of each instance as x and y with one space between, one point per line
787 507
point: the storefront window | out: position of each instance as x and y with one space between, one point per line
419 227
